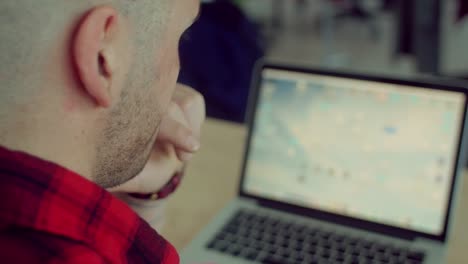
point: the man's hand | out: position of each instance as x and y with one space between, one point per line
188 105
177 141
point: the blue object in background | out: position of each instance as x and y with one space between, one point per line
218 57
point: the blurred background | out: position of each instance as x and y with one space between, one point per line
399 38
390 37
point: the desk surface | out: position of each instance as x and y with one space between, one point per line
207 188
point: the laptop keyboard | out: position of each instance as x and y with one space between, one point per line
256 237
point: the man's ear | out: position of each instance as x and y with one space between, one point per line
94 50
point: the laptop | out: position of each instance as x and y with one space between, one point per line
342 168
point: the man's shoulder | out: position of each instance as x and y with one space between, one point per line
30 246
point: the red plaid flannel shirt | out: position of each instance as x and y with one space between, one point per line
51 215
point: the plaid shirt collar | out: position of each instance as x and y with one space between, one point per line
39 195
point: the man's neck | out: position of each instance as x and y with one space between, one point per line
48 142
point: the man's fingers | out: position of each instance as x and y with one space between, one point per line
184 156
178 135
176 130
192 105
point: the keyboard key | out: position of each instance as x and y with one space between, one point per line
274 232
256 235
413 262
242 232
287 254
366 244
287 226
313 242
246 242
300 240
272 250
269 240
338 238
300 228
396 252
384 259
274 222
211 245
263 220
288 235
354 260
312 232
340 257
234 251
257 246
239 214
250 254
259 239
315 260
370 256
223 245
300 256
249 215
381 249
275 260
297 246
221 236
353 242
260 228
355 253
231 229
327 245
325 234
280 225
341 249
326 254
285 244
312 250
279 238
416 255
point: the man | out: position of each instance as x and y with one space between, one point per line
87 104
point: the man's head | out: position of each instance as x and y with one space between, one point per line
85 83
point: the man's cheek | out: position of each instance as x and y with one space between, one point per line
168 79
174 67
172 74
170 63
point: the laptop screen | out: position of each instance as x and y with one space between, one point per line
374 151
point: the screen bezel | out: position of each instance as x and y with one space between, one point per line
332 217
